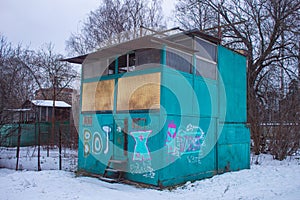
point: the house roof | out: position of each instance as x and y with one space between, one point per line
148 41
19 109
49 103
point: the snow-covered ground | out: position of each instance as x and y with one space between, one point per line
29 161
269 180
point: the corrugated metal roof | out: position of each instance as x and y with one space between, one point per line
49 103
149 41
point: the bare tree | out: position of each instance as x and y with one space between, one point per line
260 36
15 87
16 83
115 21
195 14
22 72
50 72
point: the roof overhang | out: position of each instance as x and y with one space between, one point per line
125 47
75 60
197 32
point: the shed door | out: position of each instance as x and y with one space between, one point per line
120 139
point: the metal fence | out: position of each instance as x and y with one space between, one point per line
28 134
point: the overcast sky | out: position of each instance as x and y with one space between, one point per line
35 22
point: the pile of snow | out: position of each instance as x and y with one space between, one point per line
269 179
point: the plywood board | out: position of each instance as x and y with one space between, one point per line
98 96
139 92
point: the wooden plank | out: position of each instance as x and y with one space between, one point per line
140 92
98 96
113 170
110 180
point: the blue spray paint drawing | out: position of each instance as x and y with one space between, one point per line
186 141
141 151
171 138
192 139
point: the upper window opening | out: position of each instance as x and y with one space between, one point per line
179 60
126 63
205 49
146 58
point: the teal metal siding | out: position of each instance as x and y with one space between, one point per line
90 159
189 164
232 71
189 140
234 148
234 141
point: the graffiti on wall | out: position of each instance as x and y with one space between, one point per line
141 151
143 168
194 159
171 139
186 140
95 141
192 139
107 130
86 137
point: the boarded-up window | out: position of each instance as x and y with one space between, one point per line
98 96
139 92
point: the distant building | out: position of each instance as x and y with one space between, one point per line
64 94
42 109
35 118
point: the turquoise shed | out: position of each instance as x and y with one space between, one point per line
162 110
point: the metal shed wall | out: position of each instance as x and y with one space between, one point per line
190 105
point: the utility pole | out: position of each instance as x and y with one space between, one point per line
38 121
59 149
53 111
19 140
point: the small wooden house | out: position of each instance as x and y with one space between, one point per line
163 110
42 110
33 119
